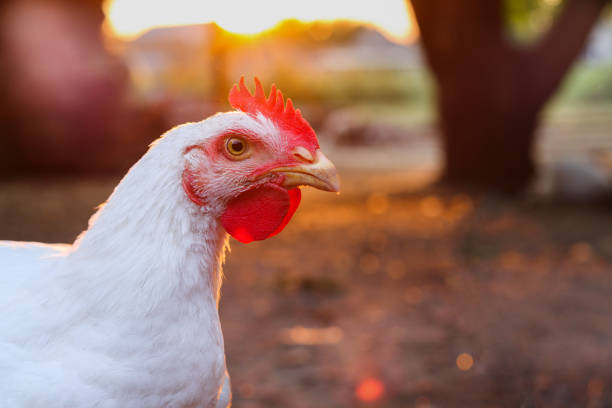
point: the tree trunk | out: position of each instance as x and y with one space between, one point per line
490 93
485 145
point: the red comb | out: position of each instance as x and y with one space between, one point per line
286 117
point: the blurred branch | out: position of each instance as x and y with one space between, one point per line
551 58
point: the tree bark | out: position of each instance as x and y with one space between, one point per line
490 93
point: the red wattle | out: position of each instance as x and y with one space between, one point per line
260 213
295 196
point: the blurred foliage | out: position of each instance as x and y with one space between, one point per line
588 84
311 83
342 88
315 34
585 98
526 20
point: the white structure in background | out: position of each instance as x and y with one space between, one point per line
370 51
158 54
599 49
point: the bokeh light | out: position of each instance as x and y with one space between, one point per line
314 336
581 252
431 207
378 203
464 361
370 390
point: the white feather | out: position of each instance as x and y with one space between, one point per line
126 316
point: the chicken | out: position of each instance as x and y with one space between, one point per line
127 316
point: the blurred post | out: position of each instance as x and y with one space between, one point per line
219 50
61 89
490 92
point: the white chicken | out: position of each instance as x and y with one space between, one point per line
127 316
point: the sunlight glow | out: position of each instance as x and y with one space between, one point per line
130 18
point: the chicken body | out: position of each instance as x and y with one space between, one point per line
127 316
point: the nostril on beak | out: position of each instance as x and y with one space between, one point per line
303 154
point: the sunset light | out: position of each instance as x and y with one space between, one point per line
126 18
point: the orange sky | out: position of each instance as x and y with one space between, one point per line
129 18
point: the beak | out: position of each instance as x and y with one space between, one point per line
320 173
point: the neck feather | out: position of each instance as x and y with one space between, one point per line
151 239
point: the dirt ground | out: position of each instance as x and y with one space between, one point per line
381 297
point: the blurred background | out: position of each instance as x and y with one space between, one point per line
468 259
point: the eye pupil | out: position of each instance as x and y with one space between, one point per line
236 146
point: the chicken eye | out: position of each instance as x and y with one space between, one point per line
236 146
